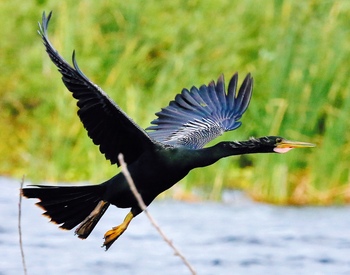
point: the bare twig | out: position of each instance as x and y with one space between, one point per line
143 206
20 228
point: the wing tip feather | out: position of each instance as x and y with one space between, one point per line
223 107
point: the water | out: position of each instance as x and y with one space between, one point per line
235 237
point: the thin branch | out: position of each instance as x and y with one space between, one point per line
143 206
20 227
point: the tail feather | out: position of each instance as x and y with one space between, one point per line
52 204
70 214
66 206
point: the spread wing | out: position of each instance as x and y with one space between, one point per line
197 116
107 125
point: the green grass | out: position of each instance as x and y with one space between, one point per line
144 52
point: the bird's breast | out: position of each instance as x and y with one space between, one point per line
158 172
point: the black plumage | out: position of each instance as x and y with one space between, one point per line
157 158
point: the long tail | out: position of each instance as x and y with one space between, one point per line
70 206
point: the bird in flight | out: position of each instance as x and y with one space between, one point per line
157 157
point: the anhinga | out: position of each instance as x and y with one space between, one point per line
157 157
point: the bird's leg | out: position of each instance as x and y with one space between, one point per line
112 235
86 226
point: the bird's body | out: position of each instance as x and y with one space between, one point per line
157 157
150 181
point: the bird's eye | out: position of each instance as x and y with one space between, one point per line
278 140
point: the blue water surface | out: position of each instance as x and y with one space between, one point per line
235 237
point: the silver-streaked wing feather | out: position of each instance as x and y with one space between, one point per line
197 116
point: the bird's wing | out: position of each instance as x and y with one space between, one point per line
197 116
107 125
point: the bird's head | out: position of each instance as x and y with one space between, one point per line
281 145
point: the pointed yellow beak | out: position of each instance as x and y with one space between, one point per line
285 145
294 144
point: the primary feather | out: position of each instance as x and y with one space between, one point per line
107 125
197 116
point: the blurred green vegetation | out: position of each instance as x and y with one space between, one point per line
144 52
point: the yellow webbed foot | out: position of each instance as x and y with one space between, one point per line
112 235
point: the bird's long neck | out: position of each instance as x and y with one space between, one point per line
207 156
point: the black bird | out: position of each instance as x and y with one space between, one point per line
157 158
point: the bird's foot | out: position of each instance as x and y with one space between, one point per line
86 226
112 235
